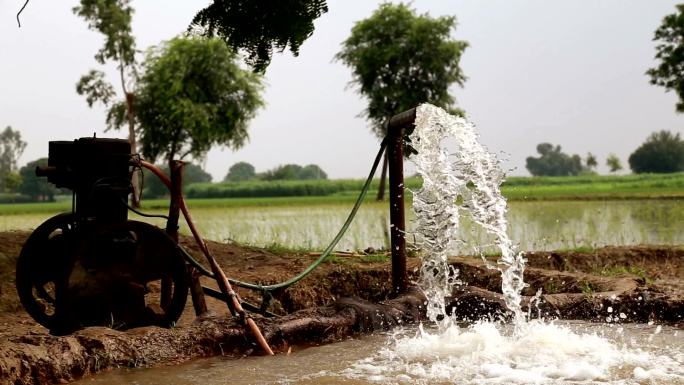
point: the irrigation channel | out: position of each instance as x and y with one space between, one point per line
523 350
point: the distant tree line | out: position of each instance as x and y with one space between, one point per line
197 182
243 171
662 152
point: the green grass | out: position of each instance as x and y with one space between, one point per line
620 270
643 186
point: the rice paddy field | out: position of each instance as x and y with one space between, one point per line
544 214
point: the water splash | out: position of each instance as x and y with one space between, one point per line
458 174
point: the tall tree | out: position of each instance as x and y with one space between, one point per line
239 172
312 171
591 161
11 148
112 18
193 95
259 26
400 59
38 188
669 72
662 152
553 162
613 163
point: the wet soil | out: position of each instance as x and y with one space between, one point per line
350 294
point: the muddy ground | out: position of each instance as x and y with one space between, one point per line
616 284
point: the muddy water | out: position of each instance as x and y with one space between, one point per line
562 353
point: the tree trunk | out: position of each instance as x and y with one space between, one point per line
383 179
135 197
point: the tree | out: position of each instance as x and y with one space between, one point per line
38 188
258 27
662 152
283 172
294 172
192 173
112 18
192 95
613 163
670 53
399 60
11 148
553 162
312 171
239 172
591 161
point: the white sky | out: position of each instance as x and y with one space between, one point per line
569 72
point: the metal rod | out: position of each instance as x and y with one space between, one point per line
395 155
176 168
401 120
221 280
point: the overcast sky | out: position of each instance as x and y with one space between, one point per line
568 72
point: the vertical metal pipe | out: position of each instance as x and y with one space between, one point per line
395 153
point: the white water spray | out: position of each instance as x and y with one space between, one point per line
470 176
460 175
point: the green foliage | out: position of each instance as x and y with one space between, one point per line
670 54
553 162
587 288
400 59
38 188
154 188
11 148
662 152
276 188
294 172
112 18
239 172
613 163
257 27
614 271
192 95
591 161
96 89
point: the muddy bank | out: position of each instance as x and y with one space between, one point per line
346 296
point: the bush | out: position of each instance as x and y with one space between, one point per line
662 152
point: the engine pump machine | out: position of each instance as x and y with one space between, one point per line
93 266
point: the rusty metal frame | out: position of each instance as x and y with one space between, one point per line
395 156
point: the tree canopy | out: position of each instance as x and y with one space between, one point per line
294 172
613 163
11 148
258 27
662 152
38 188
553 162
669 72
192 95
400 59
113 19
192 173
239 172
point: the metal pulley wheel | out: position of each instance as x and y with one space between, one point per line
106 275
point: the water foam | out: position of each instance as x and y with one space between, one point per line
538 353
460 175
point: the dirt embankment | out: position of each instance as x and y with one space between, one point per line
630 284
